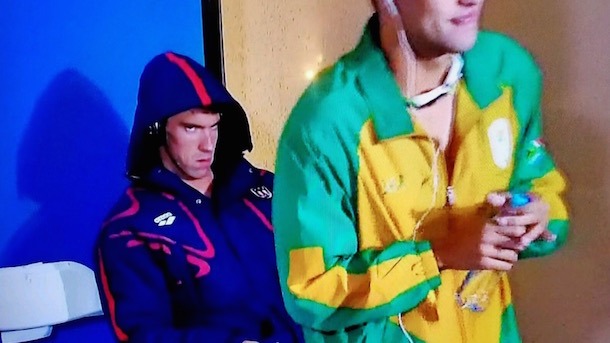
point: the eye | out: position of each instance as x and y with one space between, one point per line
190 128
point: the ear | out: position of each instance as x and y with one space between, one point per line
386 9
395 44
390 23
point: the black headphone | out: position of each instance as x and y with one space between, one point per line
157 134
156 131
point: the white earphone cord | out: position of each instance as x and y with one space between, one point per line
409 56
435 181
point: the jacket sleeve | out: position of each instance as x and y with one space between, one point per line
535 172
138 298
328 283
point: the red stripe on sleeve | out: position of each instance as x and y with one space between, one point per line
122 336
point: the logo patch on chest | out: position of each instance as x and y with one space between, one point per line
262 192
165 219
393 184
500 138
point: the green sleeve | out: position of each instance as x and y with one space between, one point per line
536 172
327 282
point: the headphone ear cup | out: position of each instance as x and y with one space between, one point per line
157 133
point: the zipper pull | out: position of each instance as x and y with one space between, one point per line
450 196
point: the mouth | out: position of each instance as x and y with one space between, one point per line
471 17
205 160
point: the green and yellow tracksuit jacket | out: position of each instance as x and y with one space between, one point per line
355 172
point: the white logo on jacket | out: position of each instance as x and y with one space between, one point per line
262 192
500 138
165 219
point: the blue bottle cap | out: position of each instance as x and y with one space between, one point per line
520 199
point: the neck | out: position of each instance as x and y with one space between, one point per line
431 72
203 185
404 60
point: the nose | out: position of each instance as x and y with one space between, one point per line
206 142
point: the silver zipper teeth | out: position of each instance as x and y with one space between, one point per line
450 196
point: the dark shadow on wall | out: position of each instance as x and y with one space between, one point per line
71 163
564 297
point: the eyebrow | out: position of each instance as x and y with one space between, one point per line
186 122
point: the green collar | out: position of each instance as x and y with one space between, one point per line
382 93
378 86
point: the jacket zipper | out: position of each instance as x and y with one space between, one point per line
450 200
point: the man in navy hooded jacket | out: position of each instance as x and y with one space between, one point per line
187 253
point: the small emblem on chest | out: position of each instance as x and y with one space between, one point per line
165 219
262 192
501 142
393 184
535 151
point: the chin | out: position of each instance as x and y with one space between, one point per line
462 44
465 46
198 174
467 40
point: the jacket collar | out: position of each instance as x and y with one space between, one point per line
379 88
378 85
238 186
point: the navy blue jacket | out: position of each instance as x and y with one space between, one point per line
177 266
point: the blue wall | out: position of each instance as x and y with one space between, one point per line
68 83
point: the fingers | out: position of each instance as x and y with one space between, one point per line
495 258
536 205
495 264
505 238
519 220
512 243
498 253
534 233
534 216
508 231
548 236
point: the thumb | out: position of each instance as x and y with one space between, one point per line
498 199
548 236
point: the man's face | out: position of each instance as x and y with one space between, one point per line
436 27
191 143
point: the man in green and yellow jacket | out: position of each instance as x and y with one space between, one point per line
410 177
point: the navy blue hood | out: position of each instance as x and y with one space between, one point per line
173 83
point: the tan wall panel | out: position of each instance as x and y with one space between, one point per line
566 297
271 47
